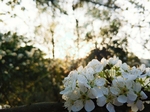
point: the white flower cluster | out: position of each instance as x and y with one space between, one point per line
107 82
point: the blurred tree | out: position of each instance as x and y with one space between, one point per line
110 46
19 67
110 51
117 24
26 77
98 14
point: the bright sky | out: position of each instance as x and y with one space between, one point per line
26 20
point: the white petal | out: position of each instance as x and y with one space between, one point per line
75 94
66 90
148 71
90 94
115 102
99 81
110 107
137 87
82 88
132 96
129 84
77 106
89 73
96 92
122 99
73 85
80 69
105 90
82 79
119 63
142 67
134 108
93 62
101 101
89 70
89 105
140 105
129 101
114 90
143 95
98 68
93 91
67 105
125 66
104 61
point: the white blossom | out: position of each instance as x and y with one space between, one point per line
70 82
124 67
99 81
142 67
132 74
104 62
113 60
113 86
96 65
147 71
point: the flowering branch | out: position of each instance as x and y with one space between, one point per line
108 83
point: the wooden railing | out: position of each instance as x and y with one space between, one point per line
58 107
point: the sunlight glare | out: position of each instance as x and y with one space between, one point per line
25 21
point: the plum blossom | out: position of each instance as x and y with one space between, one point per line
132 74
124 67
70 82
104 62
147 72
96 65
79 98
138 104
109 82
113 60
122 88
107 99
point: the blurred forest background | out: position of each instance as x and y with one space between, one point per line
41 41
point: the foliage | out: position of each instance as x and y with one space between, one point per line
111 46
110 51
26 77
